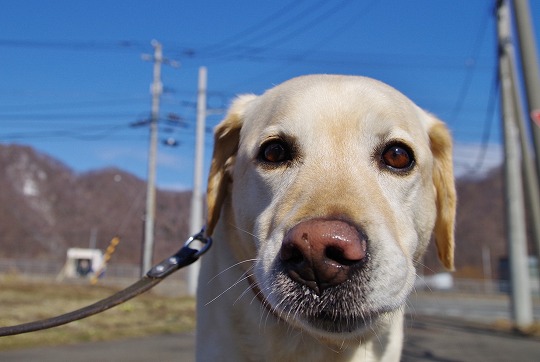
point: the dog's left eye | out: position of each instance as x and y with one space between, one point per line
275 151
398 157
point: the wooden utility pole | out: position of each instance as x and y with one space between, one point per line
157 90
522 311
529 64
529 61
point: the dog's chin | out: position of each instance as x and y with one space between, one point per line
341 328
340 312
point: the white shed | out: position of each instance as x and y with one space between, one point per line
83 263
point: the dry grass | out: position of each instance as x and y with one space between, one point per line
507 326
23 301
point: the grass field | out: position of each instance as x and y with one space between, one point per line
24 301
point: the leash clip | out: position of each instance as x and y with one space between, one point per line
183 257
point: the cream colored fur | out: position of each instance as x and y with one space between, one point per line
338 125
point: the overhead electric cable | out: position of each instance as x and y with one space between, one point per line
257 27
73 45
75 104
488 125
480 36
305 27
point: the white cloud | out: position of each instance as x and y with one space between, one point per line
118 153
475 160
174 187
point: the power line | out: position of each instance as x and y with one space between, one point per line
97 133
296 23
253 53
488 125
92 45
364 11
276 29
58 116
302 57
303 28
249 31
491 105
480 36
71 105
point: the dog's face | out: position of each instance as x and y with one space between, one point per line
334 185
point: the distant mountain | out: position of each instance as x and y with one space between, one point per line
46 208
480 226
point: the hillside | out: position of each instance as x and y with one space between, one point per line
45 208
480 224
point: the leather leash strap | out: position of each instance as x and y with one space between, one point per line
184 257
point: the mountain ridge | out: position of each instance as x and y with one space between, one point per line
45 207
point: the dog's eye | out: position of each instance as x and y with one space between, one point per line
275 151
398 157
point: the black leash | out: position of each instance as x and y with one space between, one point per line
184 257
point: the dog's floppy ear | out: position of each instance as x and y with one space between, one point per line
443 180
226 139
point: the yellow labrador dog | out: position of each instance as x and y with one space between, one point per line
323 195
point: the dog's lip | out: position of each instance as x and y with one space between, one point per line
329 323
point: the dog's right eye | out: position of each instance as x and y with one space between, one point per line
275 151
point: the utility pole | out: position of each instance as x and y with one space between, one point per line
486 266
529 61
517 242
92 243
156 90
529 169
529 64
196 220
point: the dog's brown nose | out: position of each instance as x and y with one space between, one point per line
322 253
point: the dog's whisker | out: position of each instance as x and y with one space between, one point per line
226 290
273 311
426 285
247 289
266 311
342 345
259 291
376 336
231 267
244 231
419 263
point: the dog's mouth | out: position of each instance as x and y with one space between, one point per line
342 310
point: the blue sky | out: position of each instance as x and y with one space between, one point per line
73 81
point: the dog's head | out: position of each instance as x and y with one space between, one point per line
334 184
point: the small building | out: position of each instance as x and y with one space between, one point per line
82 263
